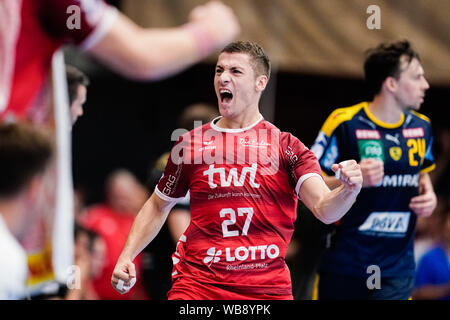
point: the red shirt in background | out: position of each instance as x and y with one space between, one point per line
113 228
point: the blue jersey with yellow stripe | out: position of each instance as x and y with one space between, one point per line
379 228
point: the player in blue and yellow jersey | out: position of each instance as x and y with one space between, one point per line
369 252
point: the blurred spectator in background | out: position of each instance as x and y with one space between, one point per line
441 176
77 83
179 218
433 271
89 259
428 230
79 202
24 155
158 262
125 195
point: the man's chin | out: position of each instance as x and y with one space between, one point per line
415 107
225 111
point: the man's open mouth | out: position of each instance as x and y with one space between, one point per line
225 95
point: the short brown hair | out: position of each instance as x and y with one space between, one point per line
260 61
24 152
385 61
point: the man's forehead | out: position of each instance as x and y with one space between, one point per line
411 66
234 59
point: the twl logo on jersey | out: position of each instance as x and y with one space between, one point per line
233 176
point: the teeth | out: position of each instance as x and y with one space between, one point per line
225 93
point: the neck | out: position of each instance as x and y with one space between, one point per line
241 121
10 211
385 109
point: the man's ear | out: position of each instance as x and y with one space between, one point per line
261 83
390 84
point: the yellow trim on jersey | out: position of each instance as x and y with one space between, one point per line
428 169
338 116
344 114
421 116
315 293
382 123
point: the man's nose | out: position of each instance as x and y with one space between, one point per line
224 77
426 85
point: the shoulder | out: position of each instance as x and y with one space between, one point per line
414 118
294 152
288 140
341 115
415 121
268 125
420 116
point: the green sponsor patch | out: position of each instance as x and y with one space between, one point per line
371 149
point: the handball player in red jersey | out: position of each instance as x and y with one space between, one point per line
244 176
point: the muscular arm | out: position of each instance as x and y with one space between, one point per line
145 54
331 182
329 206
145 227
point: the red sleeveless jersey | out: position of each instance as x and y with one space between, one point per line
243 195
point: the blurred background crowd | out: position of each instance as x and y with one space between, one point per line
121 130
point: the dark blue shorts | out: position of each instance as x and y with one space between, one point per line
342 287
